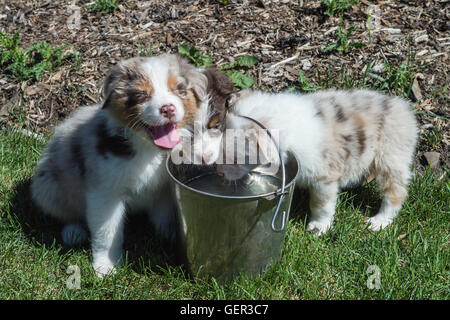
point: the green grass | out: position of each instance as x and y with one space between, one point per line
195 56
234 70
412 254
432 138
31 63
396 80
103 6
144 51
343 42
333 7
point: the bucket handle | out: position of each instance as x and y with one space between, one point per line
283 181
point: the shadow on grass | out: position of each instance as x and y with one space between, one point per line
39 229
144 249
365 196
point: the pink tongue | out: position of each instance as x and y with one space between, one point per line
166 136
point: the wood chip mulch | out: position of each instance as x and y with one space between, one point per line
285 35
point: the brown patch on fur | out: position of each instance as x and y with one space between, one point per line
219 89
395 194
187 97
124 73
340 116
127 107
140 93
190 109
172 81
116 144
386 104
213 121
370 177
195 80
126 89
347 138
125 111
360 135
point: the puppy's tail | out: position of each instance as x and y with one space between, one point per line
74 234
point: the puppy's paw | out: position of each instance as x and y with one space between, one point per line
377 223
318 227
104 266
102 270
73 234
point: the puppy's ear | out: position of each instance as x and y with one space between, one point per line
232 98
235 96
110 83
119 78
219 82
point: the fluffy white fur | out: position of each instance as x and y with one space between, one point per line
339 138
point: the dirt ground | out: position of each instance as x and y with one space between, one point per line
285 35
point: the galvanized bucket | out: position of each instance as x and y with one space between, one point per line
224 236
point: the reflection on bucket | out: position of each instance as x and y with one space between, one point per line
227 229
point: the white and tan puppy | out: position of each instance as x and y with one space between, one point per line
109 156
339 138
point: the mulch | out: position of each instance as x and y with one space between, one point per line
285 35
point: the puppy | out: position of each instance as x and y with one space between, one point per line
212 122
339 138
111 156
209 123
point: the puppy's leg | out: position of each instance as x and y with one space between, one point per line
394 194
105 215
323 197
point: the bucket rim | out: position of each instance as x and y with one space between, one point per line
263 195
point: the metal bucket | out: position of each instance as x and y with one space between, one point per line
223 236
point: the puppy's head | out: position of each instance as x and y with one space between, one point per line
247 147
221 93
155 96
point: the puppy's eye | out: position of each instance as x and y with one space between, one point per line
137 97
180 90
142 96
